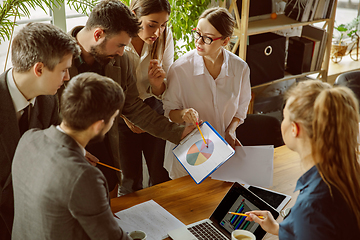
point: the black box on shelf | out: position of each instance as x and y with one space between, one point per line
257 7
266 57
299 55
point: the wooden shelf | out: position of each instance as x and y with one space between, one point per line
287 76
271 25
246 28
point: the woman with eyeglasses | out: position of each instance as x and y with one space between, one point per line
321 124
151 54
208 83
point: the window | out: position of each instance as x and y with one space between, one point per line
65 18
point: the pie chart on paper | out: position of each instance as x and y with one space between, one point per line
198 153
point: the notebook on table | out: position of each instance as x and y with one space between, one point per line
237 199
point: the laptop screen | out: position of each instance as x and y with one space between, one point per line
239 199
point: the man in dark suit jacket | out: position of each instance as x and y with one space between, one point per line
102 43
41 57
58 194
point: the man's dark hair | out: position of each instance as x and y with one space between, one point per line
88 98
113 16
41 42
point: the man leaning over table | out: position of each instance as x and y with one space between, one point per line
58 193
41 56
110 27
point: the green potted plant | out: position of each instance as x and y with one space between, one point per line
183 17
345 35
12 10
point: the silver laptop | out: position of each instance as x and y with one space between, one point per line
221 224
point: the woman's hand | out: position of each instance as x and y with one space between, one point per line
230 138
190 115
156 76
268 223
230 133
132 127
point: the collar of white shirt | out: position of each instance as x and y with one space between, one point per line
199 64
17 97
144 52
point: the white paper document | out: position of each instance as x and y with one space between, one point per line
252 165
198 159
149 217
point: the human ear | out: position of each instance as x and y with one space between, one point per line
38 69
226 41
295 129
98 34
98 126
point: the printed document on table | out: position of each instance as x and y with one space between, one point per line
252 165
149 217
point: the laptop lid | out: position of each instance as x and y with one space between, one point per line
239 199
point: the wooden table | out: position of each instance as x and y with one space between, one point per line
190 202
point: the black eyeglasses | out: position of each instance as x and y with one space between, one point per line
207 40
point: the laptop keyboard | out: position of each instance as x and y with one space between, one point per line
205 231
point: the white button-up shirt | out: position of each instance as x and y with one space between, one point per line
19 101
141 64
218 101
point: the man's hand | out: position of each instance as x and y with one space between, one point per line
132 127
91 158
187 130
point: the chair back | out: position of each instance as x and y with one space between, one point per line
350 80
260 129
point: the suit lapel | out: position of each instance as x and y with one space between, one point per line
114 72
35 121
9 138
9 128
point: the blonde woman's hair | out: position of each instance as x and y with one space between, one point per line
330 117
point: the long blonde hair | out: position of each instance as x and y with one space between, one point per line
331 119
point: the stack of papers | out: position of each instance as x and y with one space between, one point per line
250 165
149 217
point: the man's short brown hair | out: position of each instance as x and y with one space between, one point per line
113 16
88 98
41 42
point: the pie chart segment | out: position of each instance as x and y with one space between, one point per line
198 153
207 155
193 149
192 158
200 159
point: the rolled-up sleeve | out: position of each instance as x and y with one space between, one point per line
245 95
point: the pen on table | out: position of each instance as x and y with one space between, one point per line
109 166
197 124
243 214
